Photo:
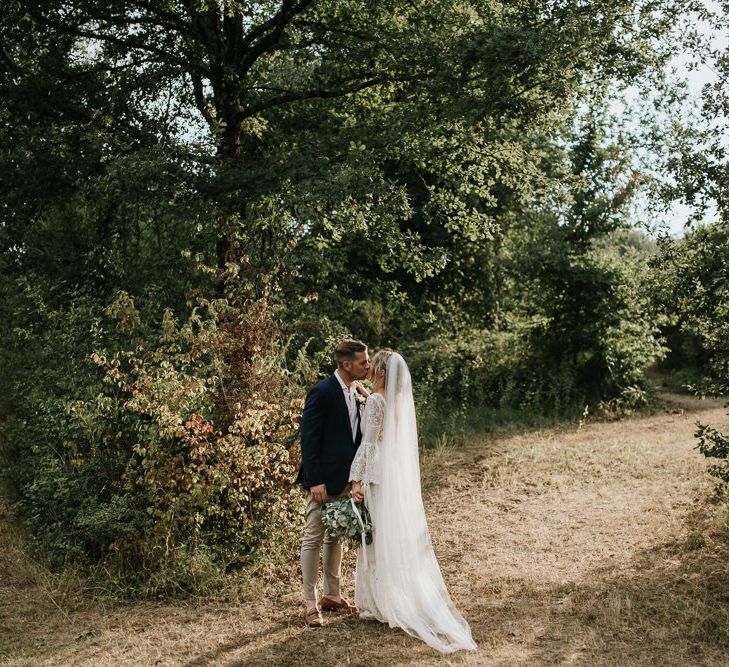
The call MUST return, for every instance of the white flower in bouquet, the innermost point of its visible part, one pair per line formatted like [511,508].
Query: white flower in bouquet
[347,521]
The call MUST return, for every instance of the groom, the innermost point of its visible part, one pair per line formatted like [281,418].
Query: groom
[330,435]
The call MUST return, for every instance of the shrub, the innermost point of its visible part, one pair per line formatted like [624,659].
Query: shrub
[715,445]
[177,461]
[690,285]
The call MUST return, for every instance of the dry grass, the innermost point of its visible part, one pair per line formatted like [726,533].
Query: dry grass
[593,546]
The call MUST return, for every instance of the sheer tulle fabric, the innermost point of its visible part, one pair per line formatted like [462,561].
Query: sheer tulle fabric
[398,578]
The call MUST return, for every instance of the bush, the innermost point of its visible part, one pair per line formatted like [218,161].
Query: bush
[690,285]
[171,461]
[587,342]
[715,445]
[471,369]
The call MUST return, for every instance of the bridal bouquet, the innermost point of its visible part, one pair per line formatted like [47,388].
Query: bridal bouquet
[347,520]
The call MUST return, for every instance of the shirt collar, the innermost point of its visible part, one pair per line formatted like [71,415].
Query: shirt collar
[342,384]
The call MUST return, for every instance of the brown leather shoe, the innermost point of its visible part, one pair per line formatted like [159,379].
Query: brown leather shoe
[330,605]
[314,618]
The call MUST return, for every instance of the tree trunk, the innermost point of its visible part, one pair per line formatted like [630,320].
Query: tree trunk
[228,155]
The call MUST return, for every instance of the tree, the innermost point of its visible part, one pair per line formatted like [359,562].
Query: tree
[268,78]
[690,274]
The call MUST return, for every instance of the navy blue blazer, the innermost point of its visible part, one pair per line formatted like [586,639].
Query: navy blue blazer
[327,446]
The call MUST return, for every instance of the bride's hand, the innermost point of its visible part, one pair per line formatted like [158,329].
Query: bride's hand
[357,494]
[361,389]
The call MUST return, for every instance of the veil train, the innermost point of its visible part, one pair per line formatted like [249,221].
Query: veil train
[408,586]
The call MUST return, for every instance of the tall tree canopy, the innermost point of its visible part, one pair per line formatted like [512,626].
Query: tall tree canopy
[300,123]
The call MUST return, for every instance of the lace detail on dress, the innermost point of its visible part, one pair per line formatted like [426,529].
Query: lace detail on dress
[364,466]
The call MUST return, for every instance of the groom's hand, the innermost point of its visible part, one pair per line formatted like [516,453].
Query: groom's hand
[319,493]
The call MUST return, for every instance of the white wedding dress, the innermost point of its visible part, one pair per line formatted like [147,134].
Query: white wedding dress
[398,579]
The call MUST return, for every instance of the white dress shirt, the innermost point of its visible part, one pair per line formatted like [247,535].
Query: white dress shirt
[349,393]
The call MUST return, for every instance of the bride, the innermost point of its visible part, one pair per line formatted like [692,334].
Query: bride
[398,579]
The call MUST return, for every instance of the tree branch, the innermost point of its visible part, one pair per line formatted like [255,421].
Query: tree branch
[197,88]
[297,96]
[257,42]
[12,65]
[129,44]
[207,25]
[172,19]
[233,31]
[365,37]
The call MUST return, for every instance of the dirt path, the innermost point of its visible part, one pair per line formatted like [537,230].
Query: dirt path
[591,546]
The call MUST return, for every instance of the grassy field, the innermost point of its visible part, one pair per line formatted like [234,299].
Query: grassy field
[591,545]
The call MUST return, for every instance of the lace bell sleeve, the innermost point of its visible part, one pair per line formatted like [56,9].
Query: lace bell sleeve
[364,464]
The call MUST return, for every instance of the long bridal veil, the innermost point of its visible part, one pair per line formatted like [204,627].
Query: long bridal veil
[409,586]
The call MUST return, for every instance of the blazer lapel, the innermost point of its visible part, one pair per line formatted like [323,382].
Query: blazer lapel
[358,425]
[344,411]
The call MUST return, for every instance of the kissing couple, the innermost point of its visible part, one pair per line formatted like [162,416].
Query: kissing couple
[371,452]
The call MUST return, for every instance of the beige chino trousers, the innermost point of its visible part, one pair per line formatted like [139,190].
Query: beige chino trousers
[311,549]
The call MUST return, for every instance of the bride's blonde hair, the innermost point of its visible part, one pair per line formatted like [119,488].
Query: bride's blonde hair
[379,361]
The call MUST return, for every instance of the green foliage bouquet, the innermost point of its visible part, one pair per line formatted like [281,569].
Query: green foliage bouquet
[347,520]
